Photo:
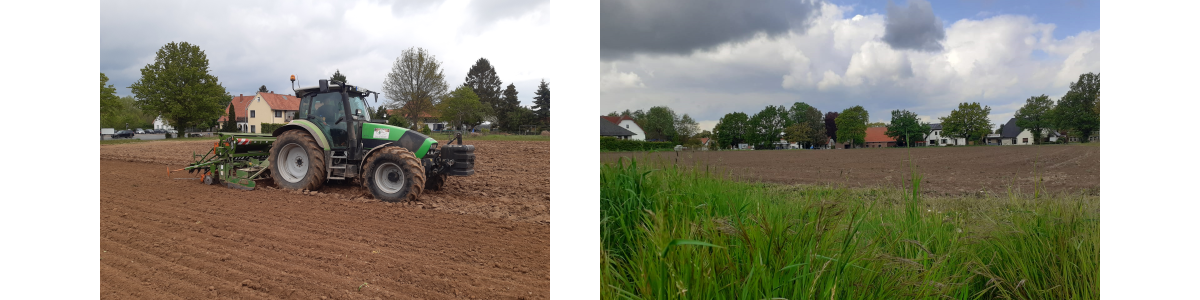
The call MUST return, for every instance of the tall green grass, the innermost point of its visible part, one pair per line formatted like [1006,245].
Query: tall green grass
[670,232]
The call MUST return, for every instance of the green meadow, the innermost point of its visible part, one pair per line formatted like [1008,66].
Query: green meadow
[690,232]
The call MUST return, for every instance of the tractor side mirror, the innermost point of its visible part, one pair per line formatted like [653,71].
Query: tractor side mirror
[324,83]
[376,97]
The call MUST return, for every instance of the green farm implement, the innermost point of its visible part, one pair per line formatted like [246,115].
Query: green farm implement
[333,139]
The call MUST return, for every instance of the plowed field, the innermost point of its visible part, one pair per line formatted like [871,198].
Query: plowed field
[1072,168]
[485,236]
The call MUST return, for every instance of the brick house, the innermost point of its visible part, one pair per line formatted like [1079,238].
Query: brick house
[877,138]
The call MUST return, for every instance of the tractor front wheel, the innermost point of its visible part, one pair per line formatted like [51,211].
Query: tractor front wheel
[394,174]
[297,162]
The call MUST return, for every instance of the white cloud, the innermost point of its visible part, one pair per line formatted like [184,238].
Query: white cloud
[841,61]
[613,79]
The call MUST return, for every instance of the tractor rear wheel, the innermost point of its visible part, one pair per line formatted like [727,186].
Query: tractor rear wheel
[394,174]
[297,161]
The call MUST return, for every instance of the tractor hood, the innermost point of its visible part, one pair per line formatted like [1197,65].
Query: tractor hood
[378,134]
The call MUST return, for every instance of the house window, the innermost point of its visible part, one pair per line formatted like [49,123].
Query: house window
[943,141]
[1024,140]
[626,126]
[251,113]
[279,114]
[1014,141]
[251,128]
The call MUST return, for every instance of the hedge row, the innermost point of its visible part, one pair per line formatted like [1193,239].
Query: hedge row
[613,144]
[270,127]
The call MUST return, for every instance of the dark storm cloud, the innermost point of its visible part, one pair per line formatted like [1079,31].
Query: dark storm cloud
[681,26]
[913,27]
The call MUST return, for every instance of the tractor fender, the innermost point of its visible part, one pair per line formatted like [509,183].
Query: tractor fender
[306,126]
[368,154]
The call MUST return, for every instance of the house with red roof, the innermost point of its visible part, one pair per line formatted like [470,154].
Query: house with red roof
[877,138]
[628,123]
[262,107]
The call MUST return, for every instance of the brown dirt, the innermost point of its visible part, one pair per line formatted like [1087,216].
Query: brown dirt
[946,170]
[484,236]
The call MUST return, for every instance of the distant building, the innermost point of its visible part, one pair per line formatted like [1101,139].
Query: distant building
[935,137]
[628,123]
[612,130]
[877,138]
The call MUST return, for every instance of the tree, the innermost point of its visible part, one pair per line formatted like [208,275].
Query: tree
[852,125]
[415,84]
[704,134]
[109,103]
[639,116]
[799,133]
[969,121]
[803,113]
[462,106]
[1035,116]
[541,102]
[337,76]
[660,124]
[906,128]
[1077,110]
[613,114]
[520,116]
[831,124]
[231,120]
[263,89]
[686,127]
[732,129]
[482,79]
[626,113]
[876,124]
[509,103]
[766,126]
[178,87]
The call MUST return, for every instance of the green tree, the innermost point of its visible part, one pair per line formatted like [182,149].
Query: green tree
[969,121]
[803,113]
[799,133]
[1077,109]
[1035,116]
[337,76]
[178,87]
[686,127]
[626,113]
[852,125]
[876,124]
[486,84]
[704,134]
[767,126]
[509,103]
[638,116]
[398,120]
[128,113]
[660,124]
[521,116]
[906,128]
[731,129]
[109,103]
[541,102]
[415,85]
[263,89]
[230,120]
[462,106]
[613,114]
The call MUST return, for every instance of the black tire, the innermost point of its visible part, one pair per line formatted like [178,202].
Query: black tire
[394,174]
[307,168]
[436,182]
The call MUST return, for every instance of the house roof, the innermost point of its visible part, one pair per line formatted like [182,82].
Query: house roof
[609,129]
[704,140]
[281,102]
[617,120]
[1010,129]
[239,104]
[935,126]
[878,134]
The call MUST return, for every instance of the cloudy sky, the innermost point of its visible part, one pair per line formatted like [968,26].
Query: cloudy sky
[254,43]
[707,58]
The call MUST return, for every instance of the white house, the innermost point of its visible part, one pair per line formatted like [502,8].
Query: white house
[159,123]
[1011,134]
[935,137]
[627,123]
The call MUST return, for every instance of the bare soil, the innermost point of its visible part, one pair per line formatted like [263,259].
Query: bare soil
[485,236]
[952,171]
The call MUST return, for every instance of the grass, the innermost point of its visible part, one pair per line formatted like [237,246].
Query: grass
[670,232]
[134,140]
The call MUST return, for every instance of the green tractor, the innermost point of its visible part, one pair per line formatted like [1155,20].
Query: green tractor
[332,138]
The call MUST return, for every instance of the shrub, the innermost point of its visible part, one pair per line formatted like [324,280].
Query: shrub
[484,131]
[270,127]
[614,144]
[425,130]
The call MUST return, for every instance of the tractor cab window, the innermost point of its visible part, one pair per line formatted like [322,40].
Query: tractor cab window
[358,108]
[327,112]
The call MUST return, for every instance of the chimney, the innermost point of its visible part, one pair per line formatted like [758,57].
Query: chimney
[272,92]
[241,95]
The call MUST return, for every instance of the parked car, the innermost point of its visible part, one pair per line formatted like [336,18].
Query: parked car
[123,134]
[139,131]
